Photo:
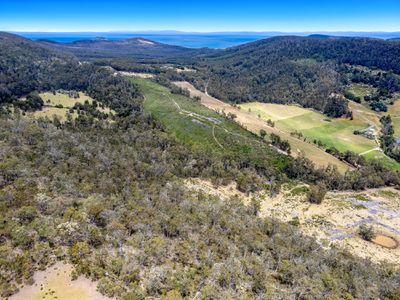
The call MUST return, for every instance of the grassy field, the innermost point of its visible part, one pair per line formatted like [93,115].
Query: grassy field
[361,90]
[195,125]
[336,133]
[314,125]
[49,112]
[394,112]
[64,99]
[58,104]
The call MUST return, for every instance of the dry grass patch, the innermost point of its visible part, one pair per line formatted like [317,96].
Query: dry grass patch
[56,283]
[274,111]
[362,90]
[64,99]
[59,104]
[50,112]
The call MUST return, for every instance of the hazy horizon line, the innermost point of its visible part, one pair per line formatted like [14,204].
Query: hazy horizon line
[205,32]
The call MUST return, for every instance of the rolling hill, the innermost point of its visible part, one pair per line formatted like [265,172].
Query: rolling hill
[367,52]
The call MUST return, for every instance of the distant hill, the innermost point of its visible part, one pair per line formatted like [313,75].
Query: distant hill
[368,52]
[138,48]
[25,47]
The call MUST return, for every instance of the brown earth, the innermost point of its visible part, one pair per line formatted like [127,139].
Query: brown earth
[385,241]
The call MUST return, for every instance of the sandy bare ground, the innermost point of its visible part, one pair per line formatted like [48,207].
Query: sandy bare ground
[254,124]
[184,70]
[56,283]
[134,74]
[335,221]
[146,42]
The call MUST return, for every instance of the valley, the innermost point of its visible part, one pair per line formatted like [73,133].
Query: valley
[205,130]
[336,133]
[313,126]
[254,124]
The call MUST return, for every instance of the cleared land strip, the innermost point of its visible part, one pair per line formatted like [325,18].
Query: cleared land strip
[207,119]
[254,124]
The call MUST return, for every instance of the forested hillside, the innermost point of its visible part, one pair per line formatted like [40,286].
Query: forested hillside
[26,67]
[137,48]
[303,70]
[374,53]
[108,197]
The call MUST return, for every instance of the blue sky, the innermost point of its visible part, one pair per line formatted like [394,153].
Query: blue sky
[202,16]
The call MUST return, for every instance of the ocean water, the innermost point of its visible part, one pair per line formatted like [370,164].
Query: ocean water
[217,41]
[192,40]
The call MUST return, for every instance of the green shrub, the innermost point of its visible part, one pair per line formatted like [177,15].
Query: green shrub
[366,232]
[317,194]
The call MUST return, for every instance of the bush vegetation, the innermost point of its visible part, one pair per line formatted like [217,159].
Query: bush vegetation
[387,139]
[317,194]
[366,232]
